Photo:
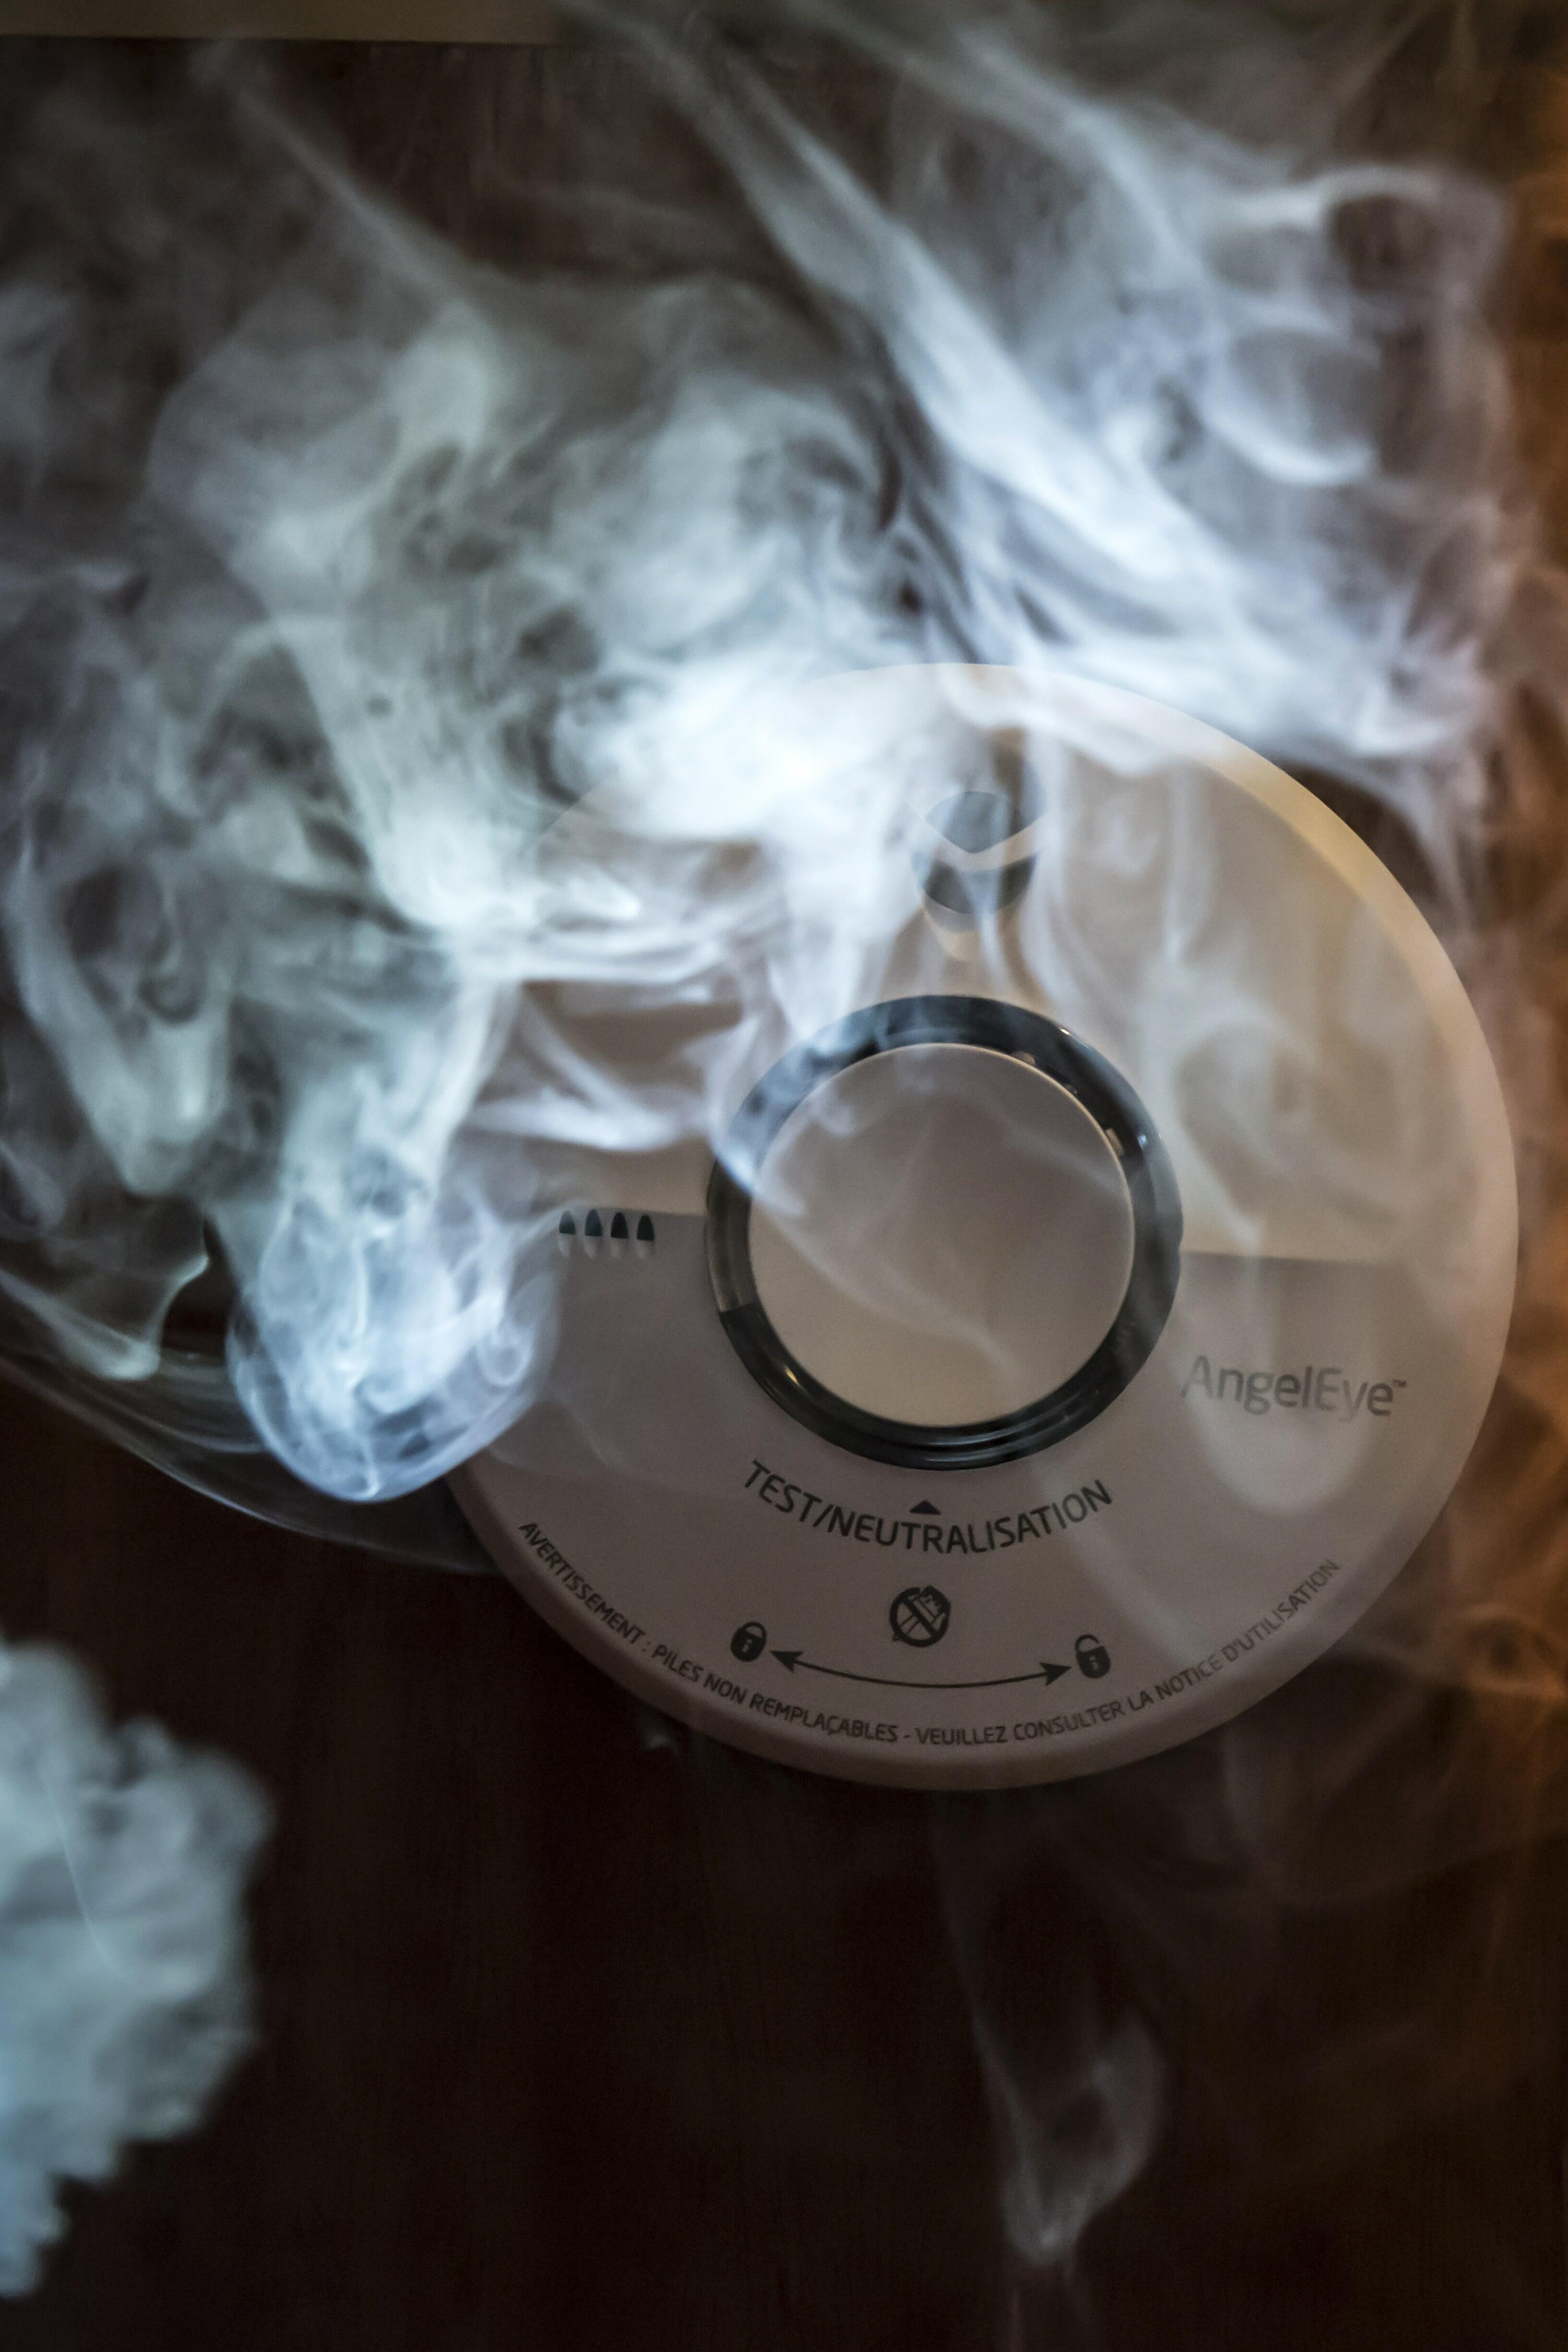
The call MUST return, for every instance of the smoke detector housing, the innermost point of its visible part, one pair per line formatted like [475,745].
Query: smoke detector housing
[1076,1312]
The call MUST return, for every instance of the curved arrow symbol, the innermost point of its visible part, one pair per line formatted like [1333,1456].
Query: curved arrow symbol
[1046,1672]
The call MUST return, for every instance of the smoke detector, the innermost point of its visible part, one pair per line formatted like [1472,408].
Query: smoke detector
[1047,1322]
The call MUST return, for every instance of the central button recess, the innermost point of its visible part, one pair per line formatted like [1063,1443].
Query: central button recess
[940,1235]
[943,1233]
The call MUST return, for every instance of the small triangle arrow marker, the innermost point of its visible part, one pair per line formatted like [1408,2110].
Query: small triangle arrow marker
[925,1510]
[791,1658]
[1049,1667]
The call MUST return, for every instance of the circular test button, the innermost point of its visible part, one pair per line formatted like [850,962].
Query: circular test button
[940,1235]
[943,1233]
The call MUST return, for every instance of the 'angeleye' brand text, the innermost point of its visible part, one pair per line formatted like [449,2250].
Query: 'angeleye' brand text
[1307,1388]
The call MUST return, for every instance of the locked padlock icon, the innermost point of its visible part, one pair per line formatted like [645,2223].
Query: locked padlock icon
[1093,1658]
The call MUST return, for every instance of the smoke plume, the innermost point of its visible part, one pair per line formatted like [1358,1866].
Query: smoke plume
[339,563]
[338,560]
[122,1983]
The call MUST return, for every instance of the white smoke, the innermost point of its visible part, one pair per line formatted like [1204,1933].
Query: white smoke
[335,565]
[338,565]
[123,1984]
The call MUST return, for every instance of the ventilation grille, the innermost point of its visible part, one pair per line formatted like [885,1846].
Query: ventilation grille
[614,1233]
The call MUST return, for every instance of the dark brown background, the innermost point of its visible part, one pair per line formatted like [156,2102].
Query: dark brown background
[575,2032]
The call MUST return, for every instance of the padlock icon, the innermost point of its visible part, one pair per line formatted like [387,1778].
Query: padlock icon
[1093,1658]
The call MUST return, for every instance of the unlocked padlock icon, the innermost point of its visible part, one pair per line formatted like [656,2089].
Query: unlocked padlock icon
[1093,1658]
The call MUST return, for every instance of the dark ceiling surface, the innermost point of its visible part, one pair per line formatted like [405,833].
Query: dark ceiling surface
[575,2032]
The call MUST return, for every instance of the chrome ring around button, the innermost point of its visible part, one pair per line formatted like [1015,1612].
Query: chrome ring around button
[1051,1050]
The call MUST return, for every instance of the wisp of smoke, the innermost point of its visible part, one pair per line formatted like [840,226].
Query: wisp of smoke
[122,1982]
[335,565]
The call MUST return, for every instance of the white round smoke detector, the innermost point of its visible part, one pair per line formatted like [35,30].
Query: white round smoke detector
[1063,1340]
